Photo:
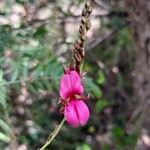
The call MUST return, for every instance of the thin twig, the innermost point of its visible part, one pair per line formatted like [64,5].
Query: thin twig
[53,135]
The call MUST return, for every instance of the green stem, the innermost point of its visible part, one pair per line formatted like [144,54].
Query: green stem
[53,135]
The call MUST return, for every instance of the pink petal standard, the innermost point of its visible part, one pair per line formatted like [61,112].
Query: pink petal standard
[70,84]
[76,112]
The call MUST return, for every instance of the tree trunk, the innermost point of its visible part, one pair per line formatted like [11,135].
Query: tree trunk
[139,12]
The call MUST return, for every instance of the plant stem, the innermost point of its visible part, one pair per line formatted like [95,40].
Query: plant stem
[53,135]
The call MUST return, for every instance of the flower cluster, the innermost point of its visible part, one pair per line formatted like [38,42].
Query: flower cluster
[71,91]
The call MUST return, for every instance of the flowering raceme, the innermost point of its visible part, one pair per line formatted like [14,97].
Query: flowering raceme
[71,91]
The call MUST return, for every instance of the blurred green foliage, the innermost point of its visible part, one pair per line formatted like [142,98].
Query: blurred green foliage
[122,139]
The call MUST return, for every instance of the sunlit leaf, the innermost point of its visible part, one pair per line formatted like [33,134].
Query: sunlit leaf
[5,126]
[4,137]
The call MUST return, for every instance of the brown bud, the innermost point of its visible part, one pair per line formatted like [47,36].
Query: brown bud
[77,46]
[79,41]
[88,25]
[89,10]
[83,20]
[88,4]
[84,13]
[82,52]
[82,37]
[81,30]
[71,67]
[78,67]
[82,44]
[65,69]
[77,56]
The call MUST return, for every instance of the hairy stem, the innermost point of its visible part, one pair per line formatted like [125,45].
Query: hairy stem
[53,135]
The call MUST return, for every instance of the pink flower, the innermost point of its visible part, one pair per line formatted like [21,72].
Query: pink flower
[71,91]
[76,113]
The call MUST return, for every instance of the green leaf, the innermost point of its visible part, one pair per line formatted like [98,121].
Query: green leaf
[83,147]
[105,147]
[1,75]
[47,85]
[4,137]
[92,87]
[3,90]
[118,132]
[4,39]
[39,85]
[15,75]
[101,78]
[41,31]
[131,139]
[86,147]
[100,105]
[31,88]
[4,126]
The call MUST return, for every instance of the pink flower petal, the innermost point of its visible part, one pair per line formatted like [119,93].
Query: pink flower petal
[76,83]
[70,84]
[65,87]
[70,114]
[76,113]
[83,112]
